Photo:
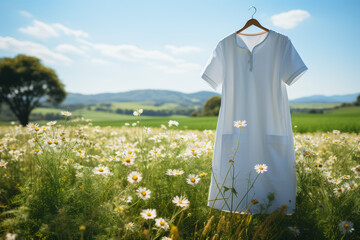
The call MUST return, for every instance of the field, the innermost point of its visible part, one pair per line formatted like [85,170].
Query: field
[85,181]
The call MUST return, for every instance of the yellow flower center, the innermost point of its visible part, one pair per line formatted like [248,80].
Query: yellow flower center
[143,193]
[134,177]
[49,142]
[357,169]
[346,225]
[36,150]
[101,170]
[149,214]
[127,160]
[180,202]
[114,159]
[261,168]
[37,129]
[192,179]
[162,223]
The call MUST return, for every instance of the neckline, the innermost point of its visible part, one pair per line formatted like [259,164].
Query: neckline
[255,34]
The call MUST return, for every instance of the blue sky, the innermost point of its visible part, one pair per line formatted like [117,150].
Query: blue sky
[116,46]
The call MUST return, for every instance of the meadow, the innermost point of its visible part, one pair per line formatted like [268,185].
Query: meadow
[149,178]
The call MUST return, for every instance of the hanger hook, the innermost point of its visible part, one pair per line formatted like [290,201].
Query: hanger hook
[254,12]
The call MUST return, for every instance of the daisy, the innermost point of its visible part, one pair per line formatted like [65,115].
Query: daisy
[172,122]
[260,168]
[192,179]
[127,124]
[66,113]
[346,227]
[102,170]
[127,199]
[137,112]
[240,123]
[307,170]
[356,169]
[128,158]
[148,213]
[119,209]
[129,226]
[113,159]
[207,132]
[143,193]
[134,177]
[147,129]
[336,181]
[3,163]
[51,123]
[181,201]
[161,223]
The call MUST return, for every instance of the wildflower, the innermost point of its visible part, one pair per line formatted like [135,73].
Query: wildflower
[207,132]
[181,201]
[134,177]
[51,123]
[148,213]
[119,209]
[174,172]
[254,201]
[346,227]
[102,170]
[147,129]
[172,122]
[113,159]
[66,113]
[127,199]
[161,223]
[336,131]
[307,170]
[143,193]
[260,168]
[10,236]
[336,181]
[356,169]
[137,112]
[3,163]
[240,123]
[127,124]
[129,226]
[192,179]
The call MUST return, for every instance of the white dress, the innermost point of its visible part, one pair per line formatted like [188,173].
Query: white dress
[253,72]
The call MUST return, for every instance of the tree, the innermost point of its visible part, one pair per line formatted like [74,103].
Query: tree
[24,81]
[212,106]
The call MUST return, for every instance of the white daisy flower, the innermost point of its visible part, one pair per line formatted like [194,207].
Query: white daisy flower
[127,199]
[51,123]
[137,112]
[260,168]
[181,201]
[147,129]
[66,113]
[193,179]
[240,123]
[346,227]
[172,123]
[102,170]
[161,223]
[129,226]
[148,213]
[3,163]
[143,193]
[113,159]
[134,177]
[207,132]
[307,170]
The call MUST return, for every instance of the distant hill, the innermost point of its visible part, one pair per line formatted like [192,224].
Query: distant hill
[185,99]
[160,96]
[348,98]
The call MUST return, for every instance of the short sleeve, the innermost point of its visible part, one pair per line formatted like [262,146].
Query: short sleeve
[213,72]
[292,66]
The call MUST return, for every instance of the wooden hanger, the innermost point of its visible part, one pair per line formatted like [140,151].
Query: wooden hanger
[250,22]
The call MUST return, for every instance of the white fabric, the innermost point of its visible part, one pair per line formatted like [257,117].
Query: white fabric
[253,81]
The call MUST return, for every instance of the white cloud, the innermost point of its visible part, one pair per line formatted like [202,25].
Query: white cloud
[33,49]
[182,49]
[290,19]
[25,13]
[68,48]
[43,30]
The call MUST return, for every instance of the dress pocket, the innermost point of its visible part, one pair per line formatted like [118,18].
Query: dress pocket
[277,157]
[229,144]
